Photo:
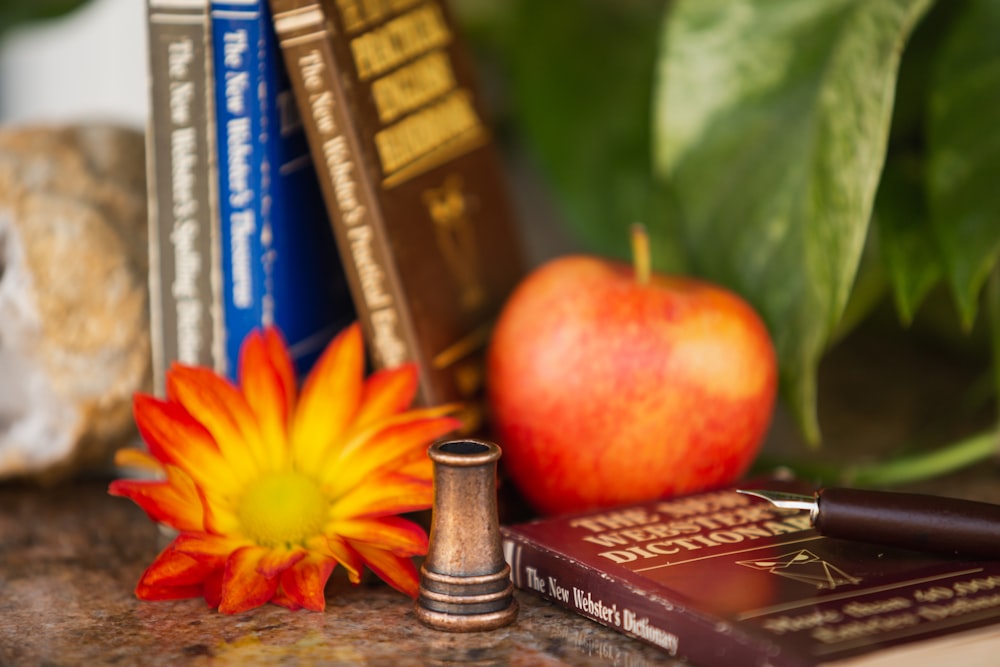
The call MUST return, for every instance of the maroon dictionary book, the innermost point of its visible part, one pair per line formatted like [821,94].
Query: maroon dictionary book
[723,579]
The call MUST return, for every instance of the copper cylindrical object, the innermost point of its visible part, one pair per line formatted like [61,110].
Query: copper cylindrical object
[465,582]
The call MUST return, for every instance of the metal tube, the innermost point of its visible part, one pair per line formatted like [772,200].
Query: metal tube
[465,582]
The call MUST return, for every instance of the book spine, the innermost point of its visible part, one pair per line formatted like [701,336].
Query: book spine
[309,297]
[304,31]
[666,624]
[237,56]
[184,284]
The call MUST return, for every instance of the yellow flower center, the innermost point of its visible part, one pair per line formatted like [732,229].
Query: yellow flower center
[283,508]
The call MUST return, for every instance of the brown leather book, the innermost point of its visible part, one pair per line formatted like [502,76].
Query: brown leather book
[723,579]
[412,181]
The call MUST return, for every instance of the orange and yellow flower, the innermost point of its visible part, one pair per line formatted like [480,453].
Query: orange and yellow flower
[269,489]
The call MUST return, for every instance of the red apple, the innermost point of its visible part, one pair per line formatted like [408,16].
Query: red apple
[608,384]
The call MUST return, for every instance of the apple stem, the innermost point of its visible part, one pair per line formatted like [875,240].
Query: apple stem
[640,253]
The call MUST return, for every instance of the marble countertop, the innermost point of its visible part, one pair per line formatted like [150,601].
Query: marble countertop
[71,555]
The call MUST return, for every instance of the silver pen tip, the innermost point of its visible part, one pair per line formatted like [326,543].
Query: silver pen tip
[782,499]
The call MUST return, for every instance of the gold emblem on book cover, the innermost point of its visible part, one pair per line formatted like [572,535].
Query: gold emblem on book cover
[804,566]
[456,238]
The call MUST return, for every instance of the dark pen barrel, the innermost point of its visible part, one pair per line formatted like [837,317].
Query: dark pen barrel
[911,521]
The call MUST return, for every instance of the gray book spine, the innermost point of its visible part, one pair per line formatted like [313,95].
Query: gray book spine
[184,281]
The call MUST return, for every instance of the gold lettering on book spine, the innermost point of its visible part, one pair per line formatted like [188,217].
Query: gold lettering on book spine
[426,139]
[351,201]
[401,39]
[412,86]
[356,15]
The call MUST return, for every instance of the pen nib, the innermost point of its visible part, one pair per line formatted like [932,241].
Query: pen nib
[791,501]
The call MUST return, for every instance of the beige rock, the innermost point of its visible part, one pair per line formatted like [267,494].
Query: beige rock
[74,332]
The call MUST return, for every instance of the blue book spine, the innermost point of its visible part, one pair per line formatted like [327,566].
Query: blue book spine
[279,256]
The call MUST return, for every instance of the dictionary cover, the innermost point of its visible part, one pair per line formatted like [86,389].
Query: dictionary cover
[723,579]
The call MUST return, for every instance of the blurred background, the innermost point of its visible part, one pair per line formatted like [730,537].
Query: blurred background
[578,92]
[47,68]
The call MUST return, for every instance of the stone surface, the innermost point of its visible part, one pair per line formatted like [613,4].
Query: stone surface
[74,333]
[71,555]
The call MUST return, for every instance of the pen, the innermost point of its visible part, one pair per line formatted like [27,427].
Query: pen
[907,520]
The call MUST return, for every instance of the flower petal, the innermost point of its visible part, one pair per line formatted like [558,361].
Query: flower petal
[388,494]
[267,378]
[283,599]
[281,358]
[174,436]
[330,398]
[343,553]
[221,408]
[172,576]
[139,460]
[400,536]
[210,549]
[176,439]
[274,562]
[357,441]
[305,582]
[243,587]
[162,502]
[219,517]
[400,573]
[387,392]
[213,588]
[422,468]
[400,442]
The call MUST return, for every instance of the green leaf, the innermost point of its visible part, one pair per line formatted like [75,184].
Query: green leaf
[909,246]
[581,76]
[771,123]
[964,151]
[13,12]
[908,115]
[993,308]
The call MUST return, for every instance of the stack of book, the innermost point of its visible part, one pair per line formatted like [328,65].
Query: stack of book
[313,162]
